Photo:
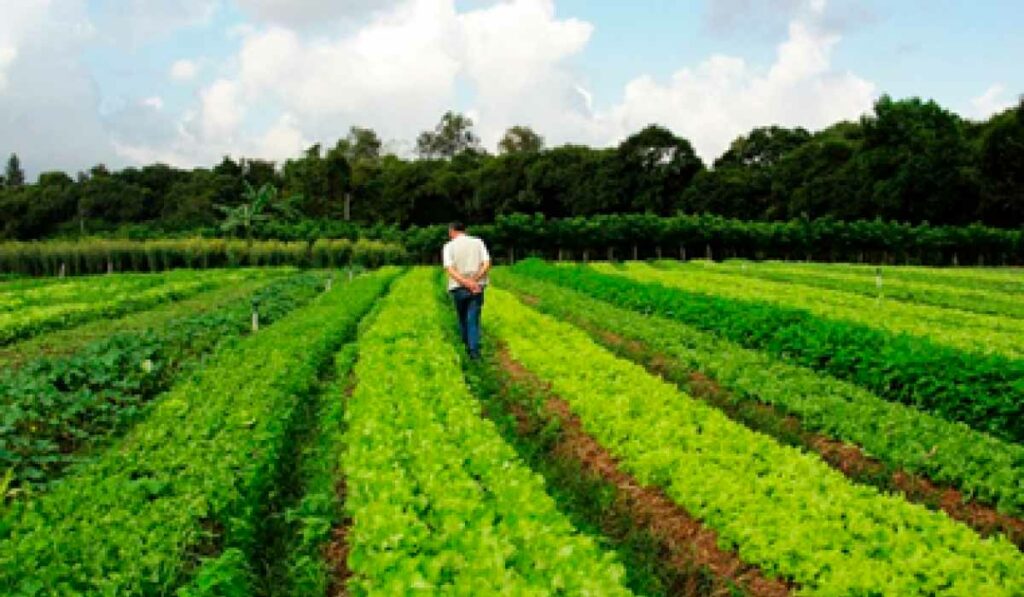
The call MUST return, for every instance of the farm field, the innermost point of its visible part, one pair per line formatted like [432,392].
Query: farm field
[647,428]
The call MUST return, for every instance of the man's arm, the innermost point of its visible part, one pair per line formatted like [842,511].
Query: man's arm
[461,280]
[479,275]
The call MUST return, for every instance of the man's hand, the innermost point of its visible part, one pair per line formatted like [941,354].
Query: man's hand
[473,286]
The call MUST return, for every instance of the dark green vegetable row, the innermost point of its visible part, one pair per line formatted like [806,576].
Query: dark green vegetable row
[986,392]
[54,406]
[179,500]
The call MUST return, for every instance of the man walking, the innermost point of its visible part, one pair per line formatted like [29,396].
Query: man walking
[467,262]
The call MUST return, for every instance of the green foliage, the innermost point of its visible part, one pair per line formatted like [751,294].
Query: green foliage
[452,136]
[439,502]
[981,466]
[970,332]
[983,391]
[779,508]
[96,256]
[54,407]
[185,486]
[14,176]
[520,139]
[926,288]
[61,305]
[319,511]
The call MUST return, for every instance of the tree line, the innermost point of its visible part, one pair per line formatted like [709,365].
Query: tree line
[908,161]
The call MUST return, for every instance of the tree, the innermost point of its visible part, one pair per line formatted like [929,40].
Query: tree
[916,163]
[361,149]
[258,206]
[452,136]
[656,166]
[14,176]
[520,139]
[1001,163]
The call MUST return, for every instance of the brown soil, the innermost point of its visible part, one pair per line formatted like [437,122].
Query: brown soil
[845,457]
[336,552]
[686,543]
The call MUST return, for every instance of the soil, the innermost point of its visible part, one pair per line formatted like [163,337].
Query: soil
[686,543]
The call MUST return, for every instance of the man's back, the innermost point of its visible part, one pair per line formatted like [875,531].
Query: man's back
[467,255]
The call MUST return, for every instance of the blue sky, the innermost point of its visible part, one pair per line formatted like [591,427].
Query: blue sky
[134,81]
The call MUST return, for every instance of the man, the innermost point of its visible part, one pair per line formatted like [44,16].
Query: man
[467,262]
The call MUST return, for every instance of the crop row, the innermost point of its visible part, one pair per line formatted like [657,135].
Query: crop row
[965,298]
[992,279]
[65,341]
[986,392]
[978,464]
[55,406]
[439,502]
[108,298]
[187,481]
[984,334]
[780,508]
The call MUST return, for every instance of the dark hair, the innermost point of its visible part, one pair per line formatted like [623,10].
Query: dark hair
[457,226]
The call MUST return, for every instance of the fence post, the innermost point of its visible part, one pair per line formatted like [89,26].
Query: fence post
[63,269]
[255,316]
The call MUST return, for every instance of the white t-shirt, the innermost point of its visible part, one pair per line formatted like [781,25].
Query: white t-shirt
[467,254]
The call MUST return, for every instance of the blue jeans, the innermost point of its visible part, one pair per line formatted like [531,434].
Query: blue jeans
[468,306]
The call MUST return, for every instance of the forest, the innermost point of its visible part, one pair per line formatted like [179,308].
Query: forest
[909,161]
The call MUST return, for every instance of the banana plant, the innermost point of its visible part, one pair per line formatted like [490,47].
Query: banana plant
[256,207]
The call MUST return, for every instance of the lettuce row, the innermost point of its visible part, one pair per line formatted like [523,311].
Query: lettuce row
[985,392]
[189,481]
[107,297]
[782,509]
[53,407]
[1005,280]
[964,296]
[973,332]
[952,453]
[439,502]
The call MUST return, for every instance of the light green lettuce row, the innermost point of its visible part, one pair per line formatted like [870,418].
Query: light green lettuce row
[958,329]
[112,298]
[782,509]
[440,503]
[992,279]
[899,435]
[190,481]
[894,287]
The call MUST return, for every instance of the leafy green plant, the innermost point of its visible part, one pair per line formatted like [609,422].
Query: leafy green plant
[779,508]
[974,332]
[980,465]
[438,501]
[169,503]
[986,392]
[54,407]
[95,298]
[258,206]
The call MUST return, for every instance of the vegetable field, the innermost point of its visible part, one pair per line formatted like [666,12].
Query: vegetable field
[645,428]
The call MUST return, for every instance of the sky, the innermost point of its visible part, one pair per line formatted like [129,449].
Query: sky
[185,82]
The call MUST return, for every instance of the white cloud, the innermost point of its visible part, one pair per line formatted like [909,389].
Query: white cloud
[301,13]
[995,99]
[155,102]
[7,56]
[46,91]
[222,110]
[282,140]
[184,70]
[724,97]
[137,22]
[515,55]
